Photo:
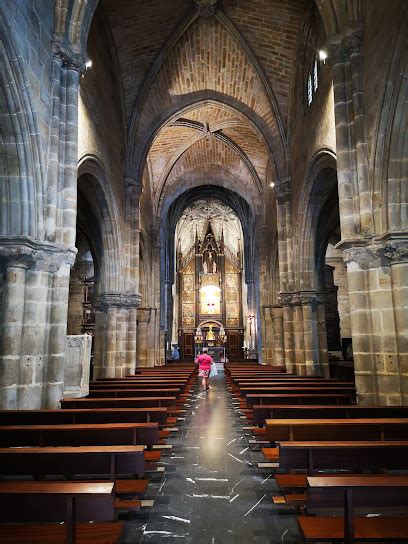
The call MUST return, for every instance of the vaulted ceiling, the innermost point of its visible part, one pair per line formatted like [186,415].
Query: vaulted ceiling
[206,88]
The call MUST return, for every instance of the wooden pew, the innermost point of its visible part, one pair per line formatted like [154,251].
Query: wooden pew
[158,392]
[337,429]
[110,461]
[374,493]
[270,399]
[263,412]
[101,434]
[354,456]
[135,392]
[75,415]
[158,414]
[57,502]
[285,389]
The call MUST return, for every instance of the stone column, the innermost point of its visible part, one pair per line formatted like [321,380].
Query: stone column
[299,338]
[60,210]
[143,321]
[314,334]
[354,195]
[340,281]
[377,283]
[115,335]
[33,323]
[278,340]
[268,339]
[285,300]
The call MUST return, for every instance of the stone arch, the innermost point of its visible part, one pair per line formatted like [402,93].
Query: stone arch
[72,20]
[169,217]
[390,161]
[147,116]
[320,181]
[181,106]
[22,170]
[98,218]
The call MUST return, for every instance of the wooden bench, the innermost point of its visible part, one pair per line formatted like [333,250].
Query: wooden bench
[375,493]
[268,400]
[263,412]
[144,415]
[100,434]
[286,390]
[67,502]
[110,461]
[317,529]
[137,393]
[156,392]
[85,533]
[67,415]
[337,429]
[354,456]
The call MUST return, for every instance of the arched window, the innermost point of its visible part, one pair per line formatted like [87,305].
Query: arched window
[312,80]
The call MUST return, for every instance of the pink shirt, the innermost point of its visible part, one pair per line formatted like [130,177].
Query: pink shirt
[204,361]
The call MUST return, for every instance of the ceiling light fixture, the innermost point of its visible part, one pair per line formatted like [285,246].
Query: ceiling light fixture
[323,55]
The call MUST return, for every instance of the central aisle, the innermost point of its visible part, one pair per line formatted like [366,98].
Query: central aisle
[213,491]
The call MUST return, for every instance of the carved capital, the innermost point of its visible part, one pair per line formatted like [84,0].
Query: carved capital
[397,251]
[144,315]
[285,299]
[340,53]
[353,42]
[312,298]
[69,59]
[366,257]
[24,252]
[206,8]
[283,190]
[116,300]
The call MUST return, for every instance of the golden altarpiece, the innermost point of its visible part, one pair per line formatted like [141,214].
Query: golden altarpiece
[209,277]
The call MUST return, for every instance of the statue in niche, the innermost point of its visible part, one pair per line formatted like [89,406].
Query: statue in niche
[205,267]
[214,267]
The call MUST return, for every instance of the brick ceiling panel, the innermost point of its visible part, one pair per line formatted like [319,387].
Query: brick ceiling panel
[243,135]
[140,30]
[169,140]
[208,152]
[207,57]
[271,28]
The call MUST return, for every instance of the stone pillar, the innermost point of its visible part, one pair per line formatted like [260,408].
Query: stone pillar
[377,283]
[33,323]
[285,300]
[278,339]
[314,333]
[143,321]
[115,335]
[356,216]
[268,339]
[340,281]
[299,333]
[61,195]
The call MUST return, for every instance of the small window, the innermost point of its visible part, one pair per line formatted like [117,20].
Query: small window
[312,80]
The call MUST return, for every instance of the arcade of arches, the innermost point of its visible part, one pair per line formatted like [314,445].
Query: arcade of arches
[230,173]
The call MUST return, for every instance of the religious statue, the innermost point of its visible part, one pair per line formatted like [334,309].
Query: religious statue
[214,267]
[205,267]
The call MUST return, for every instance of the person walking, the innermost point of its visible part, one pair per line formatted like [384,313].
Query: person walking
[204,367]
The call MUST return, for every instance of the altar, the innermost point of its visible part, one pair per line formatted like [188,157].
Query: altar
[217,353]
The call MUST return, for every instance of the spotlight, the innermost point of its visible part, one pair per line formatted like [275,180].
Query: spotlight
[272,185]
[88,64]
[323,55]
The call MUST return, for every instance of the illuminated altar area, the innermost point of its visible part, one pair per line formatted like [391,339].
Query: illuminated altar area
[209,295]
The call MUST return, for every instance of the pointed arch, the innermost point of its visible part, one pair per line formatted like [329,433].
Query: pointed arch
[98,218]
[21,164]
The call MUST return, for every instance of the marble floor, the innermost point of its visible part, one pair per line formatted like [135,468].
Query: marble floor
[212,491]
